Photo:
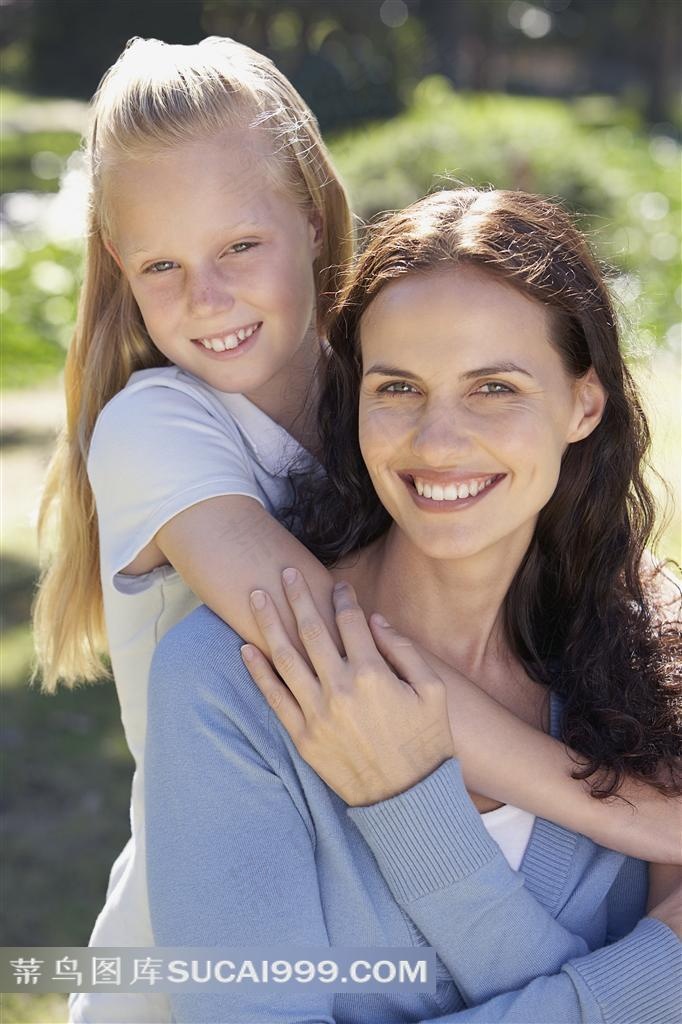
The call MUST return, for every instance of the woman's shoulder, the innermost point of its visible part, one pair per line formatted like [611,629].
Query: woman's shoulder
[199,661]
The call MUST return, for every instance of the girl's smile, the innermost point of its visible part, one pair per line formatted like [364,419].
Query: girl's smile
[228,275]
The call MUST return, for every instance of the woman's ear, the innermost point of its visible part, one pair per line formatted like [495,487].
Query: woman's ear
[589,404]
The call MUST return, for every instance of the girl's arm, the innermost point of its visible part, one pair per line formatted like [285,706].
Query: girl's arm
[175,482]
[665,883]
[226,547]
[535,771]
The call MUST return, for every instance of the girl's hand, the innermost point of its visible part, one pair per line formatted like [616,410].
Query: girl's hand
[366,732]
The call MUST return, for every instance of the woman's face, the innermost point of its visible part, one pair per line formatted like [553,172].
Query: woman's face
[466,410]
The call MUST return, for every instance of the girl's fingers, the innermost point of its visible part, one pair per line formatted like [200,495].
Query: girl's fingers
[358,641]
[278,696]
[401,654]
[287,661]
[319,646]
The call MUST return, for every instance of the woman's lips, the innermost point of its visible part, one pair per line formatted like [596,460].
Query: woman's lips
[443,485]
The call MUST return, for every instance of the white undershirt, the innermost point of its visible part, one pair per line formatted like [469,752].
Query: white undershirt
[510,827]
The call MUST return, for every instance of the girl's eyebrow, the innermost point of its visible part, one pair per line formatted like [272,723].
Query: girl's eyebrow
[482,371]
[241,227]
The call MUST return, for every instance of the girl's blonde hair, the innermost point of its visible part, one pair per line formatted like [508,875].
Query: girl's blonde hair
[156,96]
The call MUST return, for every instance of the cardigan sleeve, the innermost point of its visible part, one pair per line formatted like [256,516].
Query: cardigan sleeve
[218,851]
[637,980]
[451,879]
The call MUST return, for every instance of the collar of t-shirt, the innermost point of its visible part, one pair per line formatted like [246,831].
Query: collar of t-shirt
[272,446]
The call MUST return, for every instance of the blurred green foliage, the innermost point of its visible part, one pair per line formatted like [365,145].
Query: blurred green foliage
[35,160]
[591,154]
[38,298]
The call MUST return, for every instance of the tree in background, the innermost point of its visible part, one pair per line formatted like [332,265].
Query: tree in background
[357,60]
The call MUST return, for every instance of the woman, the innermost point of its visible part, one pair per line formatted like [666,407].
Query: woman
[484,447]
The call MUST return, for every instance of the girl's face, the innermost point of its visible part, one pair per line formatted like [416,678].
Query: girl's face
[219,260]
[466,411]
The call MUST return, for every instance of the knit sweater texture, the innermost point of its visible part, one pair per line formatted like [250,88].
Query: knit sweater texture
[248,847]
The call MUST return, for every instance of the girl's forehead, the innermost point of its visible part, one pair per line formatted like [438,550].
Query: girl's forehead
[228,172]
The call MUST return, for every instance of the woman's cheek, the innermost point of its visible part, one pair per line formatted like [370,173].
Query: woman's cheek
[382,432]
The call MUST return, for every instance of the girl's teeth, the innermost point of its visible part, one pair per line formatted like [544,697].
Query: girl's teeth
[230,340]
[450,492]
[427,491]
[462,491]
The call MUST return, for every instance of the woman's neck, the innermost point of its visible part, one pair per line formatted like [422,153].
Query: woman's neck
[452,608]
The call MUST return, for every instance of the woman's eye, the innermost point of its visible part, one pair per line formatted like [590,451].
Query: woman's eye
[495,387]
[398,388]
[243,246]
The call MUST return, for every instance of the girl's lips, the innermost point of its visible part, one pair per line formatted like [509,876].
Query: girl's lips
[443,507]
[229,353]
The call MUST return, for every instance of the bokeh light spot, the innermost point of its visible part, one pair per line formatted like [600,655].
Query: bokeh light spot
[394,13]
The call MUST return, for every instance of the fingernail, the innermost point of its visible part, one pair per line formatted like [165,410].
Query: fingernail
[258,599]
[247,652]
[379,619]
[290,575]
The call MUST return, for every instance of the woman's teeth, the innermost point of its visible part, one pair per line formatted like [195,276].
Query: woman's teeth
[451,492]
[230,340]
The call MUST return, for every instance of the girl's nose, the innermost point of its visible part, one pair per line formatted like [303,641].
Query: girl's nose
[442,435]
[209,293]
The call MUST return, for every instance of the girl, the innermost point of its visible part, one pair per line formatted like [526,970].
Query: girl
[218,229]
[475,398]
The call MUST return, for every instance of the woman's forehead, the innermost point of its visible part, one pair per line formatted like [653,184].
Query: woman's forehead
[455,300]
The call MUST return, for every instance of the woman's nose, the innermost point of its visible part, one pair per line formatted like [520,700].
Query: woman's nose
[208,293]
[441,435]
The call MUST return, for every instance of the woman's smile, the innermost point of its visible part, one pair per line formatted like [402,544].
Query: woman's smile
[465,402]
[448,492]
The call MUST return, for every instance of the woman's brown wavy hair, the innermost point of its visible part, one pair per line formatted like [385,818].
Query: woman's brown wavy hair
[579,612]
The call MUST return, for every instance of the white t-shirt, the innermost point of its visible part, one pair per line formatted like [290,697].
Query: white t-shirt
[164,443]
[510,827]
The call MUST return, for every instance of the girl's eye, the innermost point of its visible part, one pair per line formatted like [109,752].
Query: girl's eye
[398,388]
[160,267]
[494,387]
[243,246]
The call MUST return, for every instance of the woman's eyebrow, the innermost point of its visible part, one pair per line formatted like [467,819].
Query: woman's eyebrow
[487,371]
[389,371]
[482,371]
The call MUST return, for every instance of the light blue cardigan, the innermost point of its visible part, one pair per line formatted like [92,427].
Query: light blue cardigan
[248,847]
